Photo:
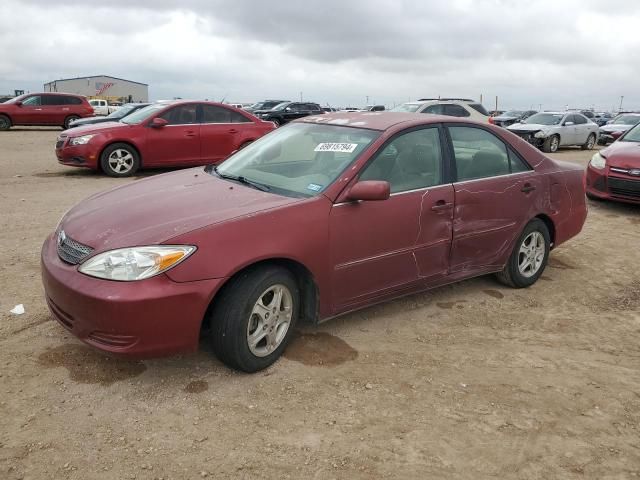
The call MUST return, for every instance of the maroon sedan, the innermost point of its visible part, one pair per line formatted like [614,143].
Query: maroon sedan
[321,217]
[614,173]
[165,134]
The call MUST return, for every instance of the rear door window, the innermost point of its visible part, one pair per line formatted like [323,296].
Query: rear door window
[454,110]
[434,109]
[478,153]
[53,100]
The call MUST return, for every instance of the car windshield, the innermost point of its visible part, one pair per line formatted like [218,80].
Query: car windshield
[121,112]
[299,160]
[512,113]
[626,120]
[545,118]
[144,113]
[406,107]
[632,135]
[281,106]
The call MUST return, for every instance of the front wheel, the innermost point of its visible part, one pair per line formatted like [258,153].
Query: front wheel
[5,122]
[529,256]
[589,144]
[253,319]
[119,160]
[551,144]
[68,120]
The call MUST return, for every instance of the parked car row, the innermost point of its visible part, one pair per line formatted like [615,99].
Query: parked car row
[551,130]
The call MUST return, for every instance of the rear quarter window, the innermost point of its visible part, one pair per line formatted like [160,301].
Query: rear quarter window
[478,107]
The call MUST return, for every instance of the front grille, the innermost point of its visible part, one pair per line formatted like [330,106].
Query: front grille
[526,136]
[71,251]
[625,188]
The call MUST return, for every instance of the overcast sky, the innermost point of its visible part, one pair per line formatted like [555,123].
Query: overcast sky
[580,53]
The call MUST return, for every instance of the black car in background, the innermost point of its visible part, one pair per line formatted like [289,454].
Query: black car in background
[510,117]
[264,105]
[115,116]
[287,111]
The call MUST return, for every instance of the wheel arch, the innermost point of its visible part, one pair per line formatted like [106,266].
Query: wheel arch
[546,219]
[8,116]
[112,142]
[309,294]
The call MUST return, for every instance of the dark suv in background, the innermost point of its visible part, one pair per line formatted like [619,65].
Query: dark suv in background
[287,111]
[264,105]
[59,109]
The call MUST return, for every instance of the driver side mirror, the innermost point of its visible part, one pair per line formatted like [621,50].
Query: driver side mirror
[158,122]
[18,103]
[567,124]
[370,190]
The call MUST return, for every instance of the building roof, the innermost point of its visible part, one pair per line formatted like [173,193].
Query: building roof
[95,76]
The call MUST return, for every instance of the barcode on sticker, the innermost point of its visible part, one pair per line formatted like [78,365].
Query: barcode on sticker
[336,147]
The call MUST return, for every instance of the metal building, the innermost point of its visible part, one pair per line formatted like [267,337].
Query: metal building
[102,86]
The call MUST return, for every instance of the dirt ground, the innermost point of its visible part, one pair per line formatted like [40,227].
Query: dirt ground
[469,381]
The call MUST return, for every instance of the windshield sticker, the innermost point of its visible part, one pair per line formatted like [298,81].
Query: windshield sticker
[314,186]
[336,147]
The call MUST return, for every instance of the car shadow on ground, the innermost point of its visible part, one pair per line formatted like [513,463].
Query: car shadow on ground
[616,209]
[89,173]
[34,129]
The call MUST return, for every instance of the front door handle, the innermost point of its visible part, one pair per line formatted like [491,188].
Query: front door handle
[527,188]
[233,130]
[441,205]
[190,134]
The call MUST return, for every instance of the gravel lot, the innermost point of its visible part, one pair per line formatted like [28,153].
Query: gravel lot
[469,381]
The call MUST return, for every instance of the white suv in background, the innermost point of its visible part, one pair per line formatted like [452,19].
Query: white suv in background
[453,107]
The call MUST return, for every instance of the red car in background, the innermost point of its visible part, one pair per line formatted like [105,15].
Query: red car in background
[164,134]
[326,215]
[614,173]
[43,109]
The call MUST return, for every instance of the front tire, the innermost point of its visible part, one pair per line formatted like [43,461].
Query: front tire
[120,160]
[5,122]
[529,257]
[590,143]
[551,144]
[253,319]
[68,120]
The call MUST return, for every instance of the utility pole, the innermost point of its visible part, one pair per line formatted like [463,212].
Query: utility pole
[621,98]
[496,109]
[300,96]
[367,100]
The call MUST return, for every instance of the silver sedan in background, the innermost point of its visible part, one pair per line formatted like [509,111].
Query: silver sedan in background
[551,130]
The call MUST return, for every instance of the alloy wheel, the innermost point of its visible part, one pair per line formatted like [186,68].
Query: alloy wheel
[531,254]
[120,161]
[269,321]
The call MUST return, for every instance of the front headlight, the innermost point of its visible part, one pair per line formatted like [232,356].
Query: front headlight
[598,161]
[81,140]
[540,134]
[135,263]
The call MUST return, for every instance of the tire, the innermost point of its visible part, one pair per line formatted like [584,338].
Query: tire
[5,122]
[589,144]
[68,120]
[120,160]
[240,315]
[245,144]
[551,144]
[514,275]
[276,121]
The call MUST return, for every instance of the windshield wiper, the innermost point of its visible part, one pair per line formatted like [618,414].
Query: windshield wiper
[243,180]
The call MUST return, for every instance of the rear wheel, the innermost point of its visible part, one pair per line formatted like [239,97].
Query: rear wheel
[5,122]
[529,257]
[119,160]
[254,317]
[590,143]
[276,121]
[551,144]
[68,120]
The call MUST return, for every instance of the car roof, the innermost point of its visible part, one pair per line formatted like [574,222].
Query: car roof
[377,120]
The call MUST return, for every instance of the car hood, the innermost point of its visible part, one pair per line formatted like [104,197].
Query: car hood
[505,119]
[623,154]
[156,209]
[99,128]
[615,128]
[528,127]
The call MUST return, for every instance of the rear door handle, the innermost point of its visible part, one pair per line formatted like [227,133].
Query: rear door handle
[441,205]
[233,130]
[190,134]
[527,188]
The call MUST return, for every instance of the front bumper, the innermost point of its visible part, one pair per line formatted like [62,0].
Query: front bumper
[150,318]
[611,185]
[530,138]
[77,155]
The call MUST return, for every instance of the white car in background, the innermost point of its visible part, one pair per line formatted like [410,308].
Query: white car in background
[102,107]
[453,107]
[551,130]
